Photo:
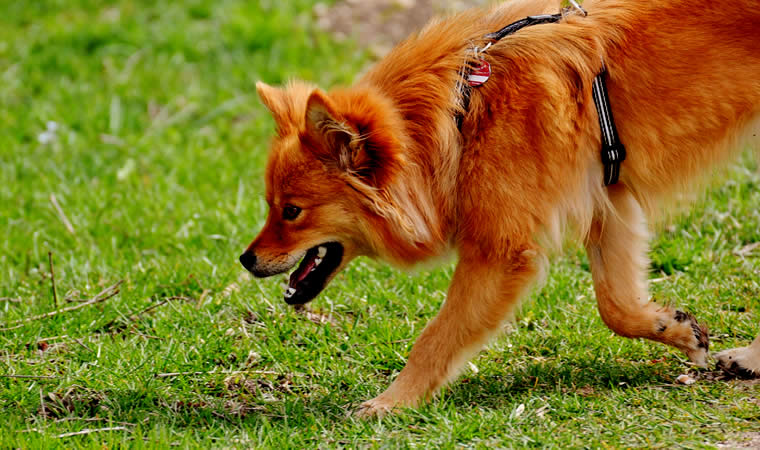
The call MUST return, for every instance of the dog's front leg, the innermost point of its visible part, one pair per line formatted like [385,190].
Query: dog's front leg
[482,294]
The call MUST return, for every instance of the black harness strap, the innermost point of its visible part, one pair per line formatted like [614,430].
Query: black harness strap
[613,152]
[522,23]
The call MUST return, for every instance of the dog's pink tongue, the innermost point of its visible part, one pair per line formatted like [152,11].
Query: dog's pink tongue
[301,273]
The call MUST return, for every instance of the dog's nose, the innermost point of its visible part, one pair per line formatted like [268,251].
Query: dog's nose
[248,260]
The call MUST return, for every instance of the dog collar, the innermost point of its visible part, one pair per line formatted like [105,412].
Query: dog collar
[613,152]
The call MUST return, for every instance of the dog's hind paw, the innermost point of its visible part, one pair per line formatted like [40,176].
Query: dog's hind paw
[742,362]
[682,330]
[373,408]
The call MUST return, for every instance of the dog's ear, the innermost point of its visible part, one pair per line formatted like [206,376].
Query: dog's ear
[347,144]
[333,138]
[275,99]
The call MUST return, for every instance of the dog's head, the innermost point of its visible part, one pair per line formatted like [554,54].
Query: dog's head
[330,159]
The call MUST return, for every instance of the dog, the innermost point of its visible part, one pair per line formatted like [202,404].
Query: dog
[407,165]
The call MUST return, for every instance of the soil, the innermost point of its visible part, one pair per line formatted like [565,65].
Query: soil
[379,24]
[743,440]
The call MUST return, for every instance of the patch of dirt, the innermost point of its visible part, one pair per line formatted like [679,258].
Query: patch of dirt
[583,391]
[75,398]
[586,391]
[721,375]
[743,440]
[380,24]
[236,396]
[315,315]
[241,385]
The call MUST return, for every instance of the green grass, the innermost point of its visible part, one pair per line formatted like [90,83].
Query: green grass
[157,164]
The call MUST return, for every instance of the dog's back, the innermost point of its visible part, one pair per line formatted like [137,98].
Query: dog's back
[684,83]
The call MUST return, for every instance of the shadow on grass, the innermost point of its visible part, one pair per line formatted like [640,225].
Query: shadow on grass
[584,377]
[259,401]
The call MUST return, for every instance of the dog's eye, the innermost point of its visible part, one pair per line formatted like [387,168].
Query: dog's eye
[290,212]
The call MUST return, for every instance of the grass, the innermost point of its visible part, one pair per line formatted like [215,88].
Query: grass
[156,163]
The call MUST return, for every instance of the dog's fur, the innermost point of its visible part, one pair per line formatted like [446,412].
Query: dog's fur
[382,169]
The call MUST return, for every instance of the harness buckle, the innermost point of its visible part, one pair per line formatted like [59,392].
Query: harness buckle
[613,154]
[612,157]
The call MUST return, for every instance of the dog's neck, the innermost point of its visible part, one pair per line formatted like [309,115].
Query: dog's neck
[417,204]
[422,96]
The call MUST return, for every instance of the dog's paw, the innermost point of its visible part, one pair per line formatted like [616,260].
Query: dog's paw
[682,330]
[742,362]
[377,407]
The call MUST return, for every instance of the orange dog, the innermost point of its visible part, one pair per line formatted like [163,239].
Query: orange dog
[385,169]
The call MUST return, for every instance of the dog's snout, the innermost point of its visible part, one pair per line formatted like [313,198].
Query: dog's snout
[248,260]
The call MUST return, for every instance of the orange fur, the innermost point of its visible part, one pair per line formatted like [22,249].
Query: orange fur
[381,167]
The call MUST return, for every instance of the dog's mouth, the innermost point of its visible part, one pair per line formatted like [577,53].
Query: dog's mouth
[311,276]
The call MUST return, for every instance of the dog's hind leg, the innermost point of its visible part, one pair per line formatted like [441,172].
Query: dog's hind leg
[482,294]
[743,362]
[617,246]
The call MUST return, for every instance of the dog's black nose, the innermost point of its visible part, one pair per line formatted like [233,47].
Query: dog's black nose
[248,260]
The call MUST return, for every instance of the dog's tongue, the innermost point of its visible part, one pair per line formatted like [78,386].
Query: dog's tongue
[303,270]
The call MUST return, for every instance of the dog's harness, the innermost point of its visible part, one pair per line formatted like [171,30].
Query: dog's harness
[613,152]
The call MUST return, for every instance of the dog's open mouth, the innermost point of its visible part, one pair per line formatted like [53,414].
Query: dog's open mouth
[312,274]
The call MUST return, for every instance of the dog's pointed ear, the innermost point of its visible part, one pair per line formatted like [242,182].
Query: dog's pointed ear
[355,142]
[333,138]
[275,99]
[358,141]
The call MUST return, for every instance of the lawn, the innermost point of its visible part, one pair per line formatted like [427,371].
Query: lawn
[131,160]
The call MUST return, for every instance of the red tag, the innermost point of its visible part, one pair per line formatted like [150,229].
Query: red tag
[480,74]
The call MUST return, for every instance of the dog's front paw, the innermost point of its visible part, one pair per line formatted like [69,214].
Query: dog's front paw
[377,407]
[742,362]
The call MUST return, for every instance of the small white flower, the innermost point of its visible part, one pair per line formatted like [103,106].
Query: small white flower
[48,135]
[45,137]
[126,170]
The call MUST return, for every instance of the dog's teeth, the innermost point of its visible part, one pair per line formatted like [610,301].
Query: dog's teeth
[321,252]
[317,261]
[289,292]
